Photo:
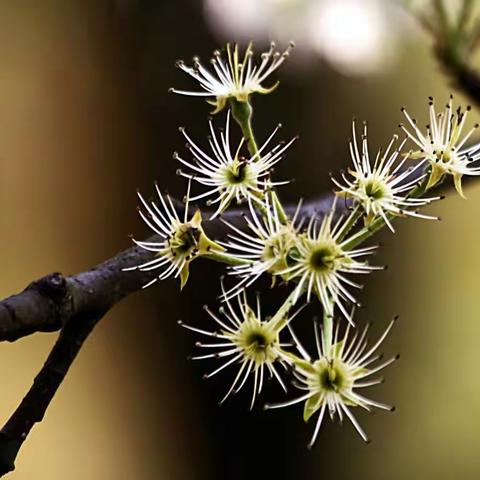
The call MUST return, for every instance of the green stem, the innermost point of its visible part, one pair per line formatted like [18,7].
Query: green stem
[242,112]
[327,337]
[364,233]
[294,358]
[442,15]
[280,319]
[225,258]
[466,12]
[282,216]
[352,219]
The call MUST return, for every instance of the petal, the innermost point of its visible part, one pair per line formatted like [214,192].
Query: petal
[184,275]
[219,104]
[264,90]
[311,406]
[438,171]
[457,180]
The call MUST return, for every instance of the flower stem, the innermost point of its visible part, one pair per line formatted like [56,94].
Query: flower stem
[295,359]
[225,258]
[242,112]
[280,319]
[364,233]
[327,333]
[352,219]
[282,216]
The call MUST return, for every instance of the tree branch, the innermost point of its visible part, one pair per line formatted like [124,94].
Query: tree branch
[49,303]
[75,305]
[35,403]
[463,76]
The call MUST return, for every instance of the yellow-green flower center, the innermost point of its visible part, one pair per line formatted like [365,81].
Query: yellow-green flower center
[185,239]
[323,258]
[258,341]
[332,378]
[375,190]
[444,156]
[237,173]
[277,248]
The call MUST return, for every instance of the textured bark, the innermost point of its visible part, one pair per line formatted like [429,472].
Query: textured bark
[75,305]
[49,303]
[35,403]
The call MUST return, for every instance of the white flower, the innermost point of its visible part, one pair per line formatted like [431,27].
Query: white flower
[443,144]
[331,383]
[246,341]
[320,264]
[233,77]
[382,189]
[227,174]
[266,243]
[180,242]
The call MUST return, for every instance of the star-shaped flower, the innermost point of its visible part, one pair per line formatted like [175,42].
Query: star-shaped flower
[266,244]
[331,383]
[320,263]
[443,144]
[233,77]
[248,341]
[180,240]
[227,174]
[382,189]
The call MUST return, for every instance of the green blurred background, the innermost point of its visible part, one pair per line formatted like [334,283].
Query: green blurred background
[85,120]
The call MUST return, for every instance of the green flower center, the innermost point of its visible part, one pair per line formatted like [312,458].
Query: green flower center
[185,239]
[332,378]
[322,259]
[271,249]
[444,156]
[277,248]
[237,173]
[374,190]
[258,341]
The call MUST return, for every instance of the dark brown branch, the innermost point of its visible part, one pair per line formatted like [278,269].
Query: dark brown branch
[463,76]
[455,43]
[75,305]
[48,303]
[468,80]
[33,407]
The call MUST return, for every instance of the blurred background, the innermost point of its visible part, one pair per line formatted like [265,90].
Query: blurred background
[85,120]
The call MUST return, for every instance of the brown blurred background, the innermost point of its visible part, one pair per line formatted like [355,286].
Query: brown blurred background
[85,120]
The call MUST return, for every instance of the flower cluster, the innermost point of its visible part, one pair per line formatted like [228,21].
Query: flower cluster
[382,189]
[317,251]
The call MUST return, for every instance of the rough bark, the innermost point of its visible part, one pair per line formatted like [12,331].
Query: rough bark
[74,305]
